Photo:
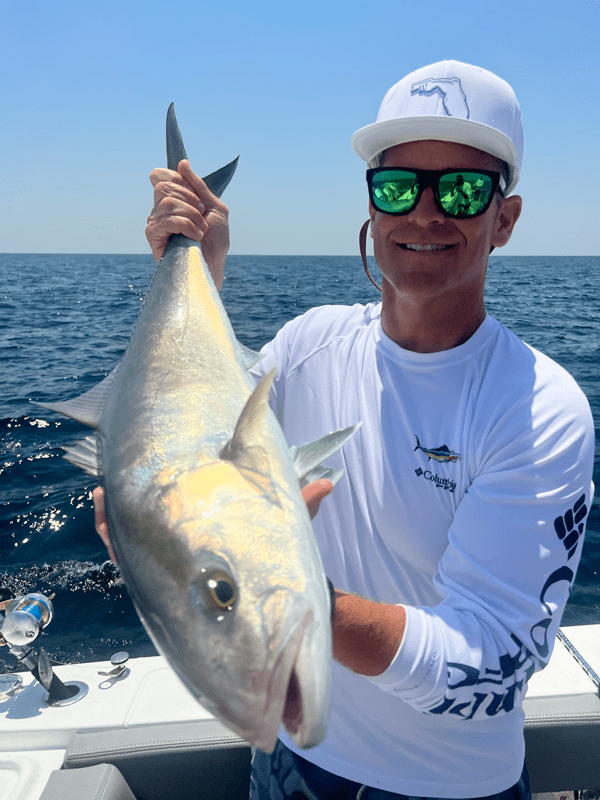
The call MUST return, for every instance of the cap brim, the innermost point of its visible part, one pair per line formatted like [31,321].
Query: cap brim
[370,141]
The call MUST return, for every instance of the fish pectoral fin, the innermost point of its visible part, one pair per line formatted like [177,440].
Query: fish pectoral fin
[88,407]
[256,470]
[250,421]
[84,454]
[308,458]
[320,472]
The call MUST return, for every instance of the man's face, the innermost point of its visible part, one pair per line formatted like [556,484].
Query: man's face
[426,254]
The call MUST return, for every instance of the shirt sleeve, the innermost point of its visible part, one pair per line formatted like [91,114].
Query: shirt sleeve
[513,550]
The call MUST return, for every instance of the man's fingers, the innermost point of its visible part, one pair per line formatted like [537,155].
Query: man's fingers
[168,191]
[159,231]
[210,201]
[164,175]
[170,208]
[187,185]
[165,226]
[314,493]
[190,178]
[100,520]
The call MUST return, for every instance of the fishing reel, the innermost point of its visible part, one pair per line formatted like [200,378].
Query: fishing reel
[25,617]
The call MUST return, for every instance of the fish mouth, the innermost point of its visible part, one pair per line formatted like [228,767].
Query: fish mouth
[293,710]
[284,702]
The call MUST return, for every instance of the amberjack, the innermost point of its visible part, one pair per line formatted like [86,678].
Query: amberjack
[204,508]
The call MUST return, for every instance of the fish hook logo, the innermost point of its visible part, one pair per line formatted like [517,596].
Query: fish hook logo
[454,99]
[440,454]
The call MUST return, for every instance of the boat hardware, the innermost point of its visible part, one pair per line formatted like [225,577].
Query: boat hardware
[25,617]
[118,662]
[10,685]
[595,678]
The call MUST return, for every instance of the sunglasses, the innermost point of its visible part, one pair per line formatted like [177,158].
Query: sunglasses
[460,194]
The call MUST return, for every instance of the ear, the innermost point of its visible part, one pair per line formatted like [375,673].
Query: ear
[373,214]
[509,213]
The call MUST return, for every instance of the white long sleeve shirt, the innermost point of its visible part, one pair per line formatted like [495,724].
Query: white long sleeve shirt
[464,497]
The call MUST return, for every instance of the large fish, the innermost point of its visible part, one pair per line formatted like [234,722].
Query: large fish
[204,506]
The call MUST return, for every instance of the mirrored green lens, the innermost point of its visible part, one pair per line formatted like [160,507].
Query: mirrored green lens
[395,191]
[464,193]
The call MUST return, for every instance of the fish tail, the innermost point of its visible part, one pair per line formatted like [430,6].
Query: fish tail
[217,181]
[418,447]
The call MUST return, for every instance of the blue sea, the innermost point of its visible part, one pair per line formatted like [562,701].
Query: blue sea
[65,321]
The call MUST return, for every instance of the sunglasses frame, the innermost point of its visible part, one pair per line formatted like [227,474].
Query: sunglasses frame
[431,178]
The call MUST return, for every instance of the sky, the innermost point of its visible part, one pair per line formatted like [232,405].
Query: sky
[85,88]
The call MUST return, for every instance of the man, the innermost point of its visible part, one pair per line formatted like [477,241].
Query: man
[454,535]
[461,195]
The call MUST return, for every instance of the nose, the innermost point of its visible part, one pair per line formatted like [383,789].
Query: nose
[426,211]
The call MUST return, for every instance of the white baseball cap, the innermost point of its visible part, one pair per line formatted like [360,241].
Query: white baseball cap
[452,102]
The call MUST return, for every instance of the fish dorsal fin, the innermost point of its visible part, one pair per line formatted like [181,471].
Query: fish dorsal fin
[88,407]
[250,420]
[250,357]
[308,457]
[84,454]
[251,459]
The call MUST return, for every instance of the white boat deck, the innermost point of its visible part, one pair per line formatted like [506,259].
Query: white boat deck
[563,675]
[34,736]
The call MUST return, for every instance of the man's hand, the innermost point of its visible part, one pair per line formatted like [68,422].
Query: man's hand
[183,204]
[100,520]
[313,494]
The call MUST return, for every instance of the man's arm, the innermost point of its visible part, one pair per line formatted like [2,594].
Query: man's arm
[366,634]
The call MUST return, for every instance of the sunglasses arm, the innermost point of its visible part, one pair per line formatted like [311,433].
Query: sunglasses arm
[362,243]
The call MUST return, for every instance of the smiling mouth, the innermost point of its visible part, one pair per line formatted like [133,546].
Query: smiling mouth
[425,247]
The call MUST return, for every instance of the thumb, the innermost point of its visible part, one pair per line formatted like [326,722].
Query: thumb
[100,520]
[314,493]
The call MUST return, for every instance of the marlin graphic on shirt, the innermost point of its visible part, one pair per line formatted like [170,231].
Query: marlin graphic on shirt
[441,454]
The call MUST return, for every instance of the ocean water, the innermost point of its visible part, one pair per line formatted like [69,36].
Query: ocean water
[65,321]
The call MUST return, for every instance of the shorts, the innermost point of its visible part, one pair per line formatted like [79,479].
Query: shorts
[283,775]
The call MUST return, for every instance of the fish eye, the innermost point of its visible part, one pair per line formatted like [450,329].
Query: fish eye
[217,591]
[222,590]
[213,589]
